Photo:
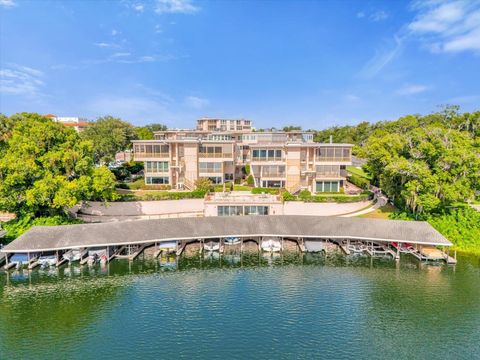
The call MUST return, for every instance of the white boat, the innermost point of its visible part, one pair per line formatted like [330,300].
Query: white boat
[232,241]
[314,245]
[167,245]
[212,245]
[75,254]
[271,244]
[47,260]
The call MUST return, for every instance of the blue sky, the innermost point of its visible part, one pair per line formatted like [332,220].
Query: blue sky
[314,64]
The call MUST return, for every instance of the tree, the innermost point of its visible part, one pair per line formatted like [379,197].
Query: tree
[109,135]
[46,168]
[203,184]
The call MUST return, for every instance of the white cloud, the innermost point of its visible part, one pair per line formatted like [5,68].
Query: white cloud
[158,29]
[447,26]
[412,89]
[106,45]
[8,3]
[196,102]
[382,58]
[20,80]
[139,7]
[120,54]
[175,7]
[379,15]
[115,32]
[351,98]
[136,109]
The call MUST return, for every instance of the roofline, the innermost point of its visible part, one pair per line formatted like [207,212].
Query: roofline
[7,251]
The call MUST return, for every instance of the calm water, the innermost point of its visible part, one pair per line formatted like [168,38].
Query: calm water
[292,306]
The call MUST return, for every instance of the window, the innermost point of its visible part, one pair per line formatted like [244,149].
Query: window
[210,167]
[151,180]
[216,179]
[327,186]
[156,166]
[235,210]
[267,154]
[228,177]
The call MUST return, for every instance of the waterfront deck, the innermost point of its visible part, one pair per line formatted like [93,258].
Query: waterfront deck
[53,238]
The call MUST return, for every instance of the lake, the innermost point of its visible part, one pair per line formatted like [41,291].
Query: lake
[290,306]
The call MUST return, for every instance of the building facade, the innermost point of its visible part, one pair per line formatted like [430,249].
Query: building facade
[211,124]
[77,123]
[290,160]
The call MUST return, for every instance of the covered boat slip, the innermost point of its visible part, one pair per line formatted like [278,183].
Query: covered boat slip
[142,232]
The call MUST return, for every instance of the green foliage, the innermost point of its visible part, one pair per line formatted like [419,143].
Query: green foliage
[204,184]
[247,169]
[325,197]
[18,226]
[286,196]
[292,128]
[272,191]
[166,195]
[45,168]
[461,227]
[109,135]
[304,195]
[250,180]
[357,171]
[127,170]
[359,181]
[142,133]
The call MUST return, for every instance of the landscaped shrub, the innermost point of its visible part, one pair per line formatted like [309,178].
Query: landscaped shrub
[250,180]
[204,184]
[273,191]
[359,181]
[286,196]
[246,169]
[304,195]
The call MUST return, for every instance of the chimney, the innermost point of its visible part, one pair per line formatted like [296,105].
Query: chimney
[331,139]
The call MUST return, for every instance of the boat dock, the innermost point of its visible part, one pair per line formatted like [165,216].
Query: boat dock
[127,239]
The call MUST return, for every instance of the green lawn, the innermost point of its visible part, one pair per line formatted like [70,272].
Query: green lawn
[358,171]
[380,213]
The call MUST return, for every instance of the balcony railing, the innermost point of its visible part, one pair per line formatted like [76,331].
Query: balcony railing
[150,155]
[273,174]
[210,171]
[339,158]
[268,158]
[216,155]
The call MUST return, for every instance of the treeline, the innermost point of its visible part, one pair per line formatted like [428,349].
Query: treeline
[423,163]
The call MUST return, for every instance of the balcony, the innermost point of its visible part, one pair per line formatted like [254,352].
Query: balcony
[216,155]
[146,155]
[267,158]
[334,159]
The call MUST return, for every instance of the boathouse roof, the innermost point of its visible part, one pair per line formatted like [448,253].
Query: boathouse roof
[46,238]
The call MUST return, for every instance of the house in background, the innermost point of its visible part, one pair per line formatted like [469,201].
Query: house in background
[278,159]
[77,123]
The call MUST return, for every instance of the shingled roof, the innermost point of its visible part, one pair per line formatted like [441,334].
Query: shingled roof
[45,238]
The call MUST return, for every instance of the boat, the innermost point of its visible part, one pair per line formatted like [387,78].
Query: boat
[314,245]
[96,254]
[17,260]
[403,247]
[357,247]
[75,255]
[271,244]
[232,241]
[168,245]
[212,245]
[47,260]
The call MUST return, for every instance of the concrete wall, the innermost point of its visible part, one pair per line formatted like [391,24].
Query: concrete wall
[136,208]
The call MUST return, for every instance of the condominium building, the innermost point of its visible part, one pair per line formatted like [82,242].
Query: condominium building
[77,123]
[290,160]
[210,124]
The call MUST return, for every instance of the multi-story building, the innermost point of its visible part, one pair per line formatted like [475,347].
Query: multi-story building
[290,160]
[71,121]
[210,124]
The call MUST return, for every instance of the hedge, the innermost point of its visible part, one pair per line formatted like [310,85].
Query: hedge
[359,181]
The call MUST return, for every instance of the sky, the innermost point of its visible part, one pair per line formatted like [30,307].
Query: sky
[310,63]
